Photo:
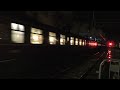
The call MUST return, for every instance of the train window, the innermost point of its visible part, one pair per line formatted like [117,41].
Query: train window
[62,39]
[52,38]
[83,43]
[68,39]
[21,28]
[17,33]
[71,40]
[76,41]
[36,36]
[15,26]
[80,42]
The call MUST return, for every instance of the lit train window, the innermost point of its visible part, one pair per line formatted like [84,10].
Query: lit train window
[80,42]
[68,39]
[76,41]
[71,40]
[83,43]
[52,38]
[62,39]
[36,36]
[17,33]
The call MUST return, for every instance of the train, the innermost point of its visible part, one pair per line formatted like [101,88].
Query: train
[28,47]
[21,31]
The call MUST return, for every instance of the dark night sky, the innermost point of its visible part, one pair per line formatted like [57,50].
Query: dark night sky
[110,22]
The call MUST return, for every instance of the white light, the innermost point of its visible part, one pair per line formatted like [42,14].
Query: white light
[14,26]
[61,42]
[80,42]
[71,40]
[35,37]
[76,41]
[17,36]
[67,38]
[52,34]
[52,40]
[37,31]
[83,43]
[21,27]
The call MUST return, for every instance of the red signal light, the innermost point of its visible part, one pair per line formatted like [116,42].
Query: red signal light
[109,51]
[108,60]
[109,57]
[110,43]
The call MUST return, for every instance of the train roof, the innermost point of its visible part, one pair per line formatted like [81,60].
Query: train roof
[21,18]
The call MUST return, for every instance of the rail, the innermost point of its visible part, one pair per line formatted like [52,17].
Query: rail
[84,75]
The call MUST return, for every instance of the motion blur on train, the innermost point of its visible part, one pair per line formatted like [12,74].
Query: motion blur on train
[28,46]
[24,32]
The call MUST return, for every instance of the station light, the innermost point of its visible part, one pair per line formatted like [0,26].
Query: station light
[110,44]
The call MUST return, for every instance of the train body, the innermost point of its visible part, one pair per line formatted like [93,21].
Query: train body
[35,46]
[16,31]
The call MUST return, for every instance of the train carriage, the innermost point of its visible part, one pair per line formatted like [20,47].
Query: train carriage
[29,46]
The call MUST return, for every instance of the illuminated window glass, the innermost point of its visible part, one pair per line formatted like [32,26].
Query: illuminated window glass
[83,43]
[80,42]
[17,33]
[62,39]
[71,40]
[76,41]
[68,39]
[36,36]
[52,38]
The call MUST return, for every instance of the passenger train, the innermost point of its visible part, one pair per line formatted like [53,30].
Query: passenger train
[30,46]
[18,32]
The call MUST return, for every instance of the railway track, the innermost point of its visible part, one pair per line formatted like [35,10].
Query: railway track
[81,71]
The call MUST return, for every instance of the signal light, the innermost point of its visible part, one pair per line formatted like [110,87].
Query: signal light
[108,60]
[110,43]
[109,52]
[109,57]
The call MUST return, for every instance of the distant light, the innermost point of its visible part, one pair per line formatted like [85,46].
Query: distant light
[109,52]
[109,60]
[92,43]
[109,56]
[110,44]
